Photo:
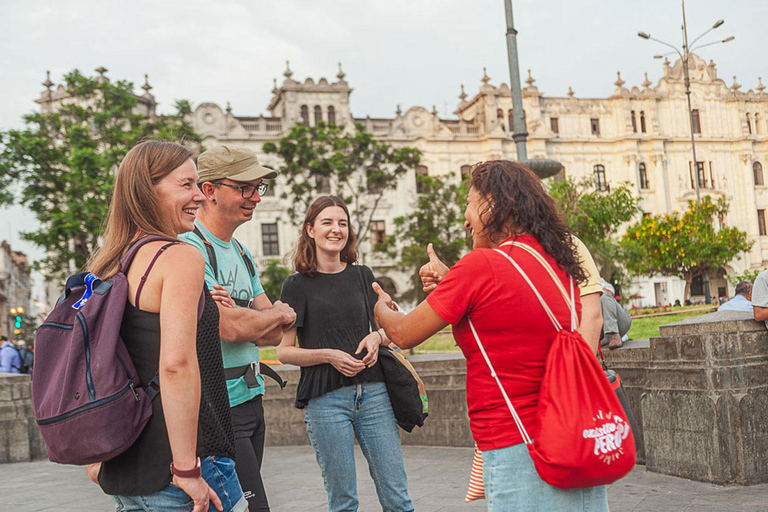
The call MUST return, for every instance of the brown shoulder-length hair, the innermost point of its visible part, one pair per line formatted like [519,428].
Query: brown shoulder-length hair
[134,210]
[518,203]
[305,260]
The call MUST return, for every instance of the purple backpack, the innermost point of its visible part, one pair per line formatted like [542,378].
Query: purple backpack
[88,401]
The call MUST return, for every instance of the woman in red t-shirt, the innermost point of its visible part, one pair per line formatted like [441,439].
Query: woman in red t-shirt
[506,202]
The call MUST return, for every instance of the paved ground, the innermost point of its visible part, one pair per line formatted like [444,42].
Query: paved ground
[437,476]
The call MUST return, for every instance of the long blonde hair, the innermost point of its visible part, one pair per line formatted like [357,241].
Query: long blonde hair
[134,210]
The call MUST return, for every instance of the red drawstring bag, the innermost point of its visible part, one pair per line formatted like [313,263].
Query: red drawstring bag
[583,438]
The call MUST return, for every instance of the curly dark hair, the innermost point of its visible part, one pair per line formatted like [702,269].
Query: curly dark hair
[519,204]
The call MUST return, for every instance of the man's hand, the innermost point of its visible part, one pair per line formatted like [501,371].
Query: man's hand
[432,272]
[345,363]
[93,471]
[200,492]
[371,345]
[220,295]
[289,315]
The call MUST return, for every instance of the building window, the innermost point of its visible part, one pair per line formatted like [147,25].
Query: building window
[695,121]
[643,176]
[697,286]
[318,115]
[378,231]
[642,121]
[466,172]
[757,123]
[553,123]
[700,172]
[595,126]
[421,170]
[304,115]
[510,120]
[270,245]
[634,122]
[331,115]
[600,181]
[757,170]
[761,222]
[711,176]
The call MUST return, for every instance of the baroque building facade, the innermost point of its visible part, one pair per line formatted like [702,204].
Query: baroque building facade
[15,287]
[639,134]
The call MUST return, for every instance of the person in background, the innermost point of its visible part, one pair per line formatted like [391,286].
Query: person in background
[741,301]
[10,360]
[616,320]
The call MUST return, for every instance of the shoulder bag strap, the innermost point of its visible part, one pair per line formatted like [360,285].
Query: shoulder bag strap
[127,258]
[149,268]
[359,270]
[246,259]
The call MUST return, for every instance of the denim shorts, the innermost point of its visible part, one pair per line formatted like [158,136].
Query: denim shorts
[220,475]
[512,483]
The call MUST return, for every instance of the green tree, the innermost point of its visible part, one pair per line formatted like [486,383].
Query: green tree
[62,165]
[684,245]
[437,218]
[595,216]
[272,277]
[354,165]
[747,275]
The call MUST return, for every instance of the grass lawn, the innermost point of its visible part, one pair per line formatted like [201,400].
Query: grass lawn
[643,328]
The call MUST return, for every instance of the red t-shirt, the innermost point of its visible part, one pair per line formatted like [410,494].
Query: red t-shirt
[514,329]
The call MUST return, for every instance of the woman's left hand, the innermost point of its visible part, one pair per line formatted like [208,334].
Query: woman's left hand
[220,295]
[371,345]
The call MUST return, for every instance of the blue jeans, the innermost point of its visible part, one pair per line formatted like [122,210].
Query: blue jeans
[512,483]
[363,412]
[220,475]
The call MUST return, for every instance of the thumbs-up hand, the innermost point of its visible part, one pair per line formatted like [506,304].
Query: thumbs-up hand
[432,272]
[384,298]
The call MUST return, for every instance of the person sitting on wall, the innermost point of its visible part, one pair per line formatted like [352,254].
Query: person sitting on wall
[616,320]
[740,301]
[10,361]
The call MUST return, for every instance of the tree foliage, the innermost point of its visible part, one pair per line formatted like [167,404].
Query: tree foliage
[595,216]
[684,245]
[62,165]
[272,277]
[437,218]
[353,165]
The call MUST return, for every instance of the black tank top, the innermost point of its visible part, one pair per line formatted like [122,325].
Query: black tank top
[145,467]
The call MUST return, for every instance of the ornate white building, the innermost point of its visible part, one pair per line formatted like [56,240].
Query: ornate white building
[639,135]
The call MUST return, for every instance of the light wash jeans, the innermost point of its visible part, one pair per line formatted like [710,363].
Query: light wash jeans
[363,412]
[220,475]
[512,483]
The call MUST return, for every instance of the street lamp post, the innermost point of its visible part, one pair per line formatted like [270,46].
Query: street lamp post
[684,57]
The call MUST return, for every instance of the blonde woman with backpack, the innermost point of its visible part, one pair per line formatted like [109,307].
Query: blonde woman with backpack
[183,459]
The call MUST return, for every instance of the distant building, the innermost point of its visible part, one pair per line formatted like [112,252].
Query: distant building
[15,287]
[639,135]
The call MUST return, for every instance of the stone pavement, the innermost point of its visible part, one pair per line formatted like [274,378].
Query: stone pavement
[438,478]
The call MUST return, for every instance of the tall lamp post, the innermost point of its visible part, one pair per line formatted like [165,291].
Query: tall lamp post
[684,57]
[543,167]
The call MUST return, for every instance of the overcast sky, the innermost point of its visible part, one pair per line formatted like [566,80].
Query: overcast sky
[408,52]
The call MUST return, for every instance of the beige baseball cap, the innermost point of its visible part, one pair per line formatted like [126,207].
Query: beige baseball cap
[234,163]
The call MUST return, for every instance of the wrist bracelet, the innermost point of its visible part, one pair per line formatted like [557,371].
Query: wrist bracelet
[380,336]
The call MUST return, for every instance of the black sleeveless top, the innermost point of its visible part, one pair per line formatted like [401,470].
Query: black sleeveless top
[331,313]
[145,467]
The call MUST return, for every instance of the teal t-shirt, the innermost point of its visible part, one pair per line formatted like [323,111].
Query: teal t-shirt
[235,278]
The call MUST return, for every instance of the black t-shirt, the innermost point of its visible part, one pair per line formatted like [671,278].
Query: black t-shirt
[330,313]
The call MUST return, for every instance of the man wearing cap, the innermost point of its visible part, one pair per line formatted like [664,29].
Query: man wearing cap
[232,181]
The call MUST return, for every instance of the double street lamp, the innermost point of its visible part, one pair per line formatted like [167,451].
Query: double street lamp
[684,57]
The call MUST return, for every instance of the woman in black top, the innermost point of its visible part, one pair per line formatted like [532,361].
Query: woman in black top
[170,328]
[341,387]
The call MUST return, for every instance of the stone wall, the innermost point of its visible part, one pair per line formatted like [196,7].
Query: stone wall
[447,424]
[699,393]
[19,438]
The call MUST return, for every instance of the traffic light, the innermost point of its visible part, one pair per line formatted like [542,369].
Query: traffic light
[18,319]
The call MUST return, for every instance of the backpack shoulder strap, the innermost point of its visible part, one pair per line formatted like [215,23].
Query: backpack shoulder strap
[149,268]
[246,259]
[125,261]
[209,250]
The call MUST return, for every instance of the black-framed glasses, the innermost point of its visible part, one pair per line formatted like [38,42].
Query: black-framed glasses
[247,191]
